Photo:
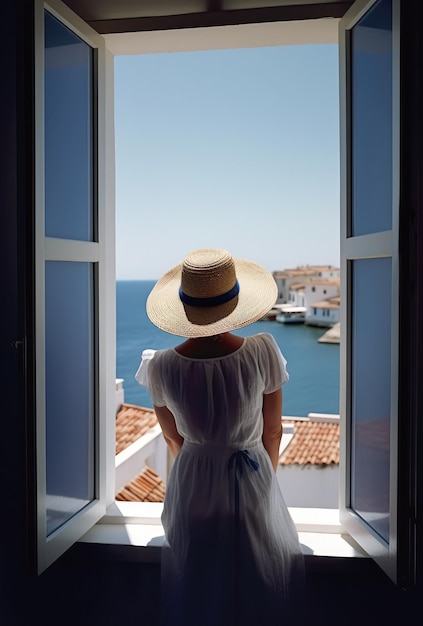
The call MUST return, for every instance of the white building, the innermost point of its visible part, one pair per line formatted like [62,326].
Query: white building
[288,277]
[327,272]
[296,297]
[306,293]
[325,313]
[320,290]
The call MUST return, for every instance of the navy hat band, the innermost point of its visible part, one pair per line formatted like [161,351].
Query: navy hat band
[212,301]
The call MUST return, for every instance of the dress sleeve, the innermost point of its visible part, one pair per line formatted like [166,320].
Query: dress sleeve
[276,374]
[147,376]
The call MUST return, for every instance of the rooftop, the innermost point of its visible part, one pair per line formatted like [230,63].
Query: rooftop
[146,487]
[323,281]
[308,270]
[132,422]
[314,441]
[330,303]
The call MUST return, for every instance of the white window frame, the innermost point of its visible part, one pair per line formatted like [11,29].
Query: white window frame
[378,245]
[102,253]
[139,523]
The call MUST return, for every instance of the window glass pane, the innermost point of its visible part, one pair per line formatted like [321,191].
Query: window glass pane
[371,391]
[371,59]
[69,390]
[68,134]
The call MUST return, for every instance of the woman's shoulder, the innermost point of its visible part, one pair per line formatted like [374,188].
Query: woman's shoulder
[269,353]
[150,354]
[150,359]
[266,345]
[263,339]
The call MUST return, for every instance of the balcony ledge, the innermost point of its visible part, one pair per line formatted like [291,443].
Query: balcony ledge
[135,530]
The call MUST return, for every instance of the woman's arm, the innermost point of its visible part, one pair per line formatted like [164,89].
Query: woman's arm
[167,422]
[272,425]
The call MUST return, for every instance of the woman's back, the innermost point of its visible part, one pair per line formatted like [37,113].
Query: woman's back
[218,400]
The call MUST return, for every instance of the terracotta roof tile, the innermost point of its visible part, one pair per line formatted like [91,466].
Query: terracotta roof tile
[330,303]
[308,270]
[292,273]
[324,268]
[323,281]
[146,487]
[313,443]
[131,423]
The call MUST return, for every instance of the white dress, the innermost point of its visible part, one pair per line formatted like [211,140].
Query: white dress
[233,554]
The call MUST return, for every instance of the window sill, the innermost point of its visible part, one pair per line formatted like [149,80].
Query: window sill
[137,525]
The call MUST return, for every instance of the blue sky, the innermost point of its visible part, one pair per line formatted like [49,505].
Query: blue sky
[236,149]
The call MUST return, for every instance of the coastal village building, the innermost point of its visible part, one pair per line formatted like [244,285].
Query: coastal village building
[296,296]
[325,313]
[320,290]
[313,290]
[285,278]
[306,293]
[320,300]
[288,277]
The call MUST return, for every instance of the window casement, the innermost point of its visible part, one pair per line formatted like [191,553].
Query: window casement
[370,143]
[73,444]
[74,283]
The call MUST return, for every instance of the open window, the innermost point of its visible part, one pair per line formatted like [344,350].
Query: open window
[74,280]
[74,283]
[369,71]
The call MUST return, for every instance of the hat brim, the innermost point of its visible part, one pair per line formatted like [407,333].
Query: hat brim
[257,295]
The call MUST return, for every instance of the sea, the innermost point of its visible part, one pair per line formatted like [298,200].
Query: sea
[313,367]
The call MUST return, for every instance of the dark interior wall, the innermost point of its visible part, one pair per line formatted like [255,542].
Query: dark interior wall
[11,328]
[86,586]
[411,280]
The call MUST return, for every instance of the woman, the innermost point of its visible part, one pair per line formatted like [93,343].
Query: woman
[232,554]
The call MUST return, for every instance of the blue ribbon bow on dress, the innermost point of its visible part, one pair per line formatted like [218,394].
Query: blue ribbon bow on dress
[237,461]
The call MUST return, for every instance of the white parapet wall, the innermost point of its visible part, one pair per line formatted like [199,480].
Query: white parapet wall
[309,485]
[302,485]
[119,394]
[150,449]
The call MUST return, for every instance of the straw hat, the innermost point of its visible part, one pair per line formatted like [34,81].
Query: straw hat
[211,293]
